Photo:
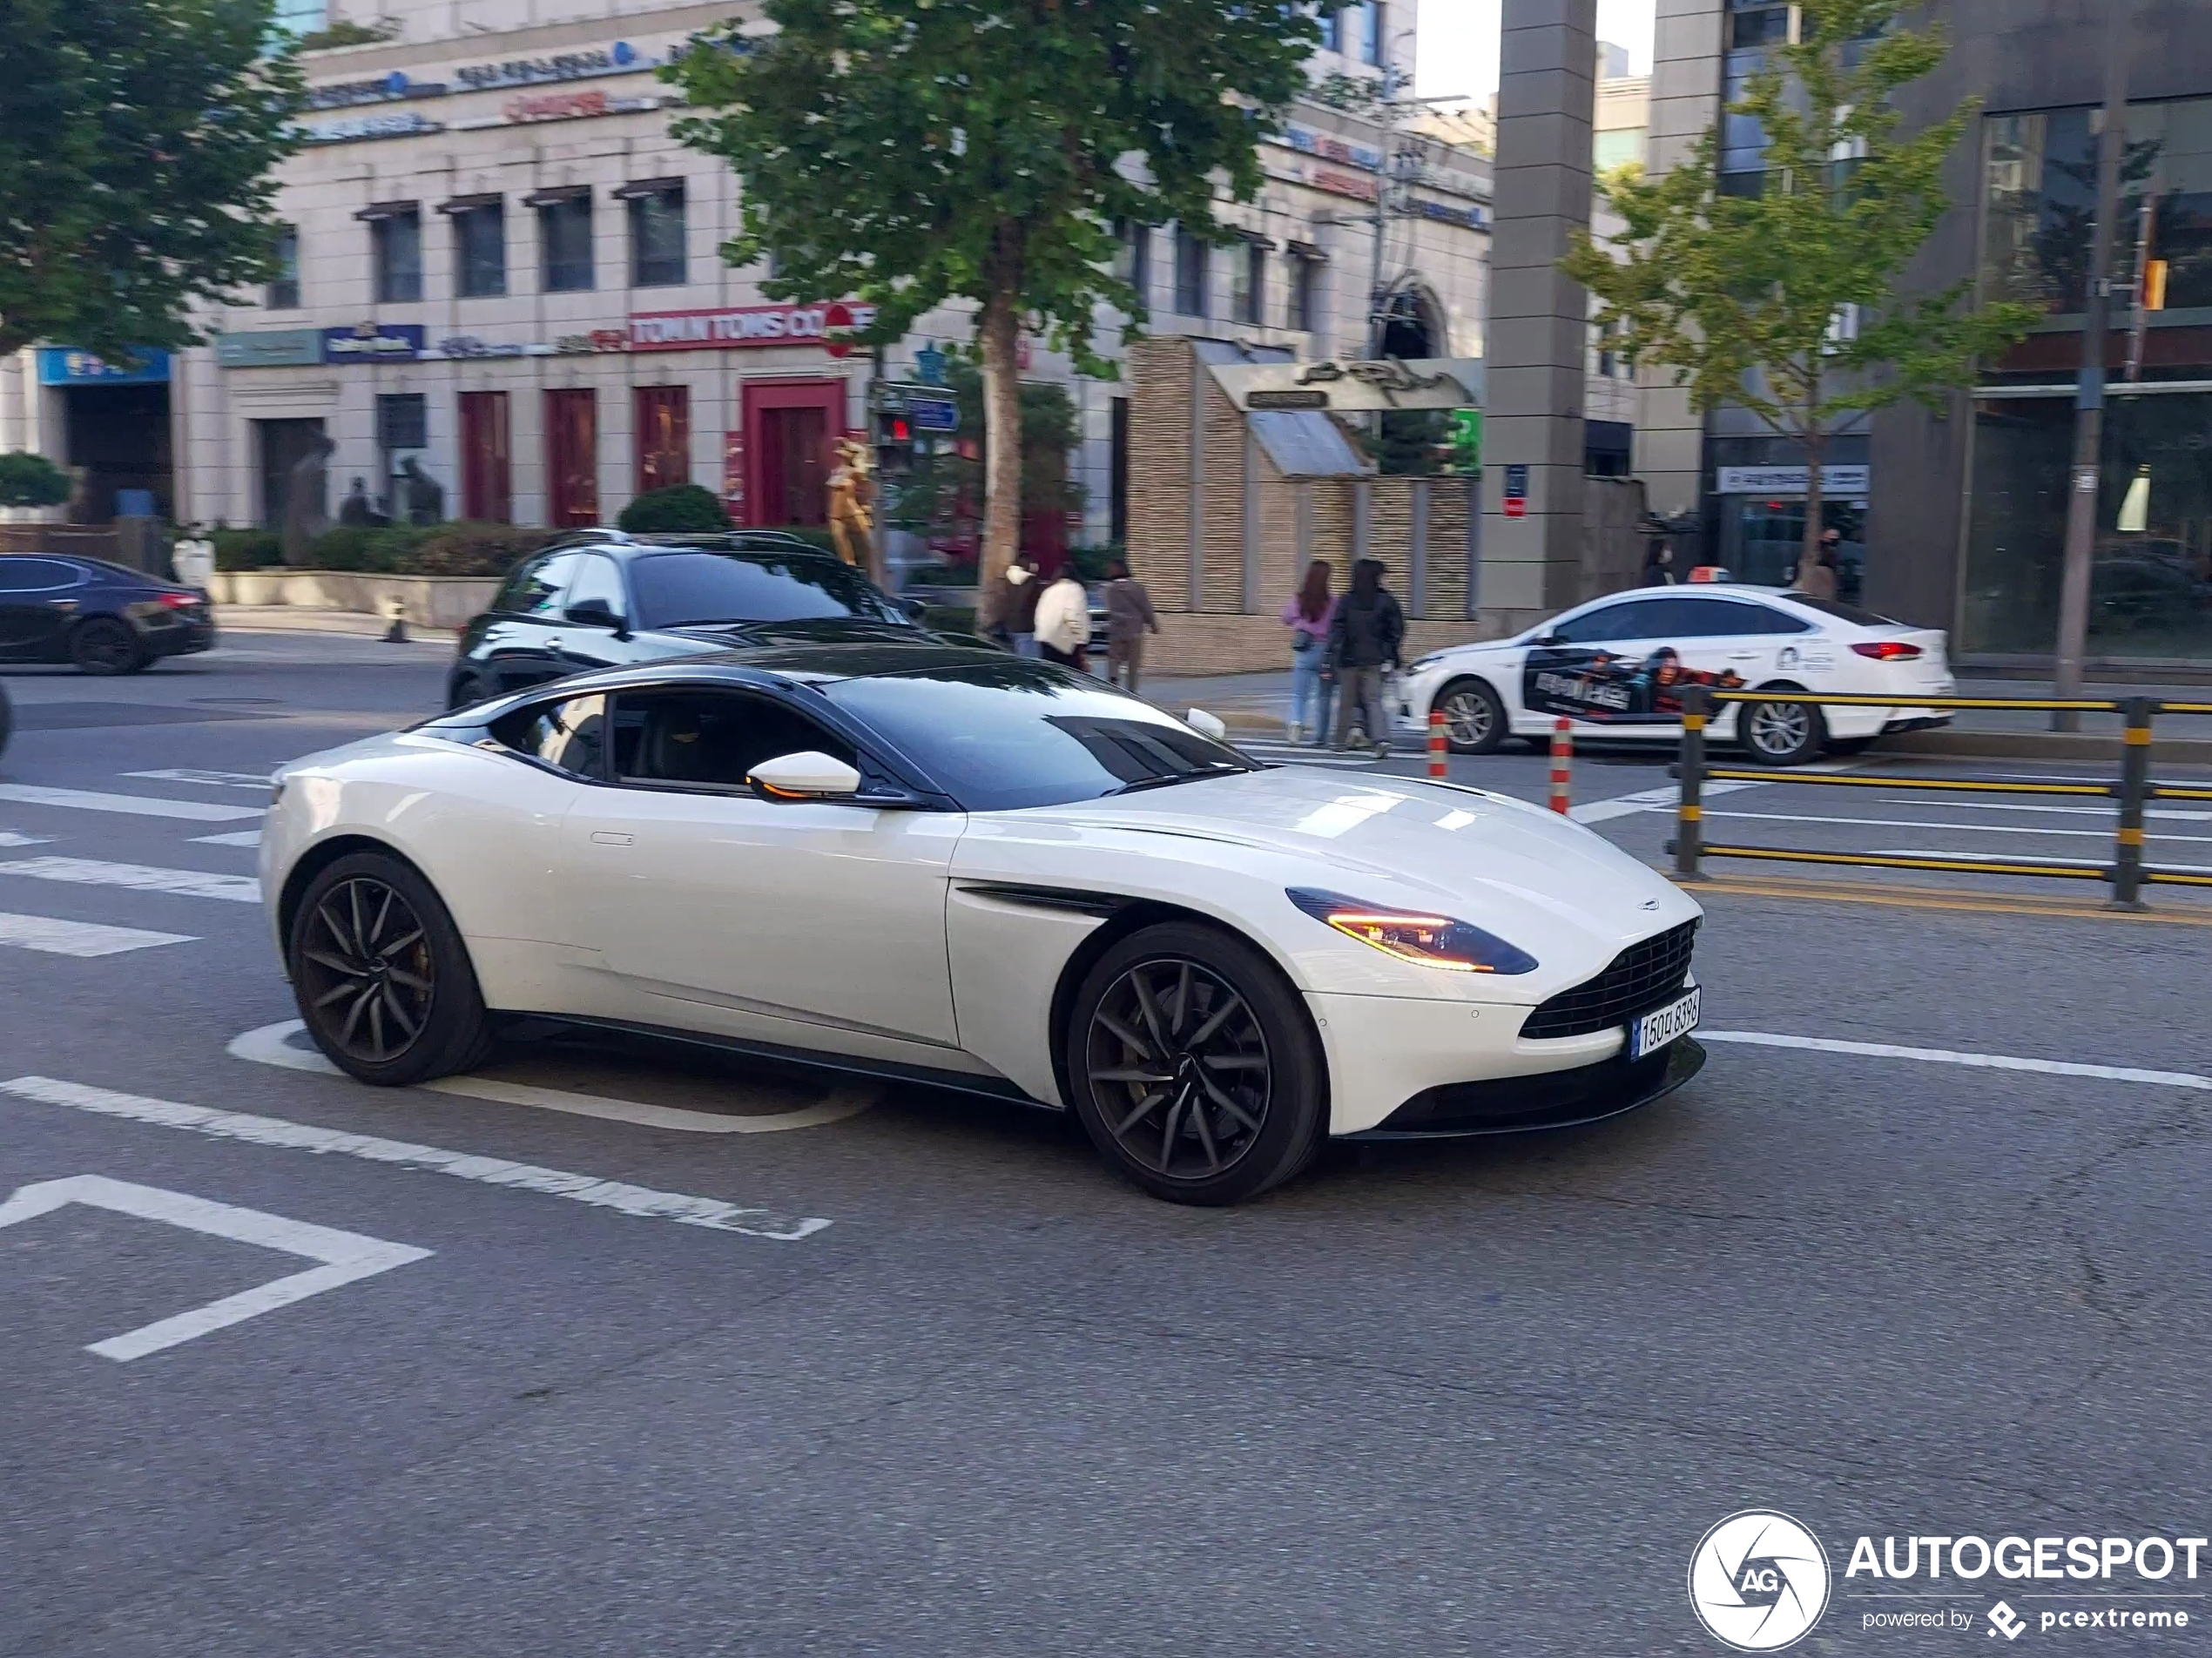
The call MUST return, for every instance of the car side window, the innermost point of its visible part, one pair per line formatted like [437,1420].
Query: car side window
[536,590]
[595,579]
[20,575]
[569,735]
[1723,618]
[1631,619]
[708,739]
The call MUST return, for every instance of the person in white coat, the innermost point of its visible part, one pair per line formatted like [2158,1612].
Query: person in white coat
[1063,621]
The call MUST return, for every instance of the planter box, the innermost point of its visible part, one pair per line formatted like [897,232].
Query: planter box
[432,601]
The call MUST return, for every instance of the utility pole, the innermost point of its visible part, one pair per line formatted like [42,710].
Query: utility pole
[2089,394]
[1377,319]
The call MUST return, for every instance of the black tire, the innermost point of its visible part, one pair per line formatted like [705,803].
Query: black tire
[1160,1020]
[1844,747]
[381,976]
[1475,720]
[1780,734]
[106,645]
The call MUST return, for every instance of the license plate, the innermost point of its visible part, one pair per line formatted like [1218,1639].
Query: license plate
[1654,1030]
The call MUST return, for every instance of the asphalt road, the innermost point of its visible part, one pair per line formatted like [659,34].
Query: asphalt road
[897,1372]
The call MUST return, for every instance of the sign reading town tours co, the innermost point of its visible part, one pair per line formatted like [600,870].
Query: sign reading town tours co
[1836,482]
[67,366]
[743,326]
[373,342]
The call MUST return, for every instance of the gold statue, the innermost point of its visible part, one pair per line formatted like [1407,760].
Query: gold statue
[851,490]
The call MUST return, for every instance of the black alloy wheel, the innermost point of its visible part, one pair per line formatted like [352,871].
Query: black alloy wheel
[1782,733]
[381,975]
[1475,720]
[106,645]
[1193,1066]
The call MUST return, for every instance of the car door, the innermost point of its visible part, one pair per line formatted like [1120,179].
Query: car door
[518,647]
[1727,642]
[585,638]
[809,924]
[37,603]
[1586,667]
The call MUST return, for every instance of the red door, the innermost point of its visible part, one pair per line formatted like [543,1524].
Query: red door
[487,488]
[571,459]
[788,427]
[663,436]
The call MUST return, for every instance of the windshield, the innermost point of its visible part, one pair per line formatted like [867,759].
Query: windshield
[1004,735]
[677,590]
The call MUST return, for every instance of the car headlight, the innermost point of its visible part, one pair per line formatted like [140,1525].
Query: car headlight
[1426,662]
[1412,935]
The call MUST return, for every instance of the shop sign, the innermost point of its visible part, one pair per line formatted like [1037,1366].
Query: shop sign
[1472,218]
[1517,491]
[583,344]
[1343,184]
[738,327]
[1292,397]
[385,89]
[621,58]
[400,124]
[269,349]
[67,366]
[1838,483]
[1331,148]
[469,346]
[373,342]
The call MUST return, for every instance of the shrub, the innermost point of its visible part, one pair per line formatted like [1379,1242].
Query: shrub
[31,481]
[384,550]
[245,549]
[476,549]
[680,508]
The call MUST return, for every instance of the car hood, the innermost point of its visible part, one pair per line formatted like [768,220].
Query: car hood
[1497,862]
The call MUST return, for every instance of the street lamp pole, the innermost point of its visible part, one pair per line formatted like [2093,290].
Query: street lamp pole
[2089,394]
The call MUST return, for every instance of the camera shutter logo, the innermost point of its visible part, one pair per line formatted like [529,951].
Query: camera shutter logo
[1758,1581]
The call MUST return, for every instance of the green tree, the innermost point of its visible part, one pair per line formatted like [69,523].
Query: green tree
[31,481]
[1789,303]
[912,151]
[136,140]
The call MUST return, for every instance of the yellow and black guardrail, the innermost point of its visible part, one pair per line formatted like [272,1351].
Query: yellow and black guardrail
[2133,790]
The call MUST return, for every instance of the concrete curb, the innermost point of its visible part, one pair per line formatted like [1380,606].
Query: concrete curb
[285,618]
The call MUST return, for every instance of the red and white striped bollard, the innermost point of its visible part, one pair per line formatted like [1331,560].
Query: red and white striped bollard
[1563,763]
[1438,748]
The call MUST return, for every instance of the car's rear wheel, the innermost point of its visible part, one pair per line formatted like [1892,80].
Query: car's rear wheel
[382,975]
[1475,720]
[1782,733]
[1193,1066]
[106,645]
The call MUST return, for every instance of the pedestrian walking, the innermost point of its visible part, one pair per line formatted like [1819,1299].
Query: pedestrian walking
[1818,579]
[1128,618]
[1019,589]
[1364,638]
[1307,617]
[1656,571]
[1063,621]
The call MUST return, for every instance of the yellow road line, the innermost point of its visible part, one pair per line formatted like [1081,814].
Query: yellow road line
[1931,898]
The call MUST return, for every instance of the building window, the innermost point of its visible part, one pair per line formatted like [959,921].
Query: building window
[657,237]
[1373,24]
[1190,274]
[479,250]
[302,16]
[663,436]
[1133,258]
[565,240]
[1756,24]
[284,288]
[402,440]
[487,488]
[1247,282]
[1608,360]
[395,247]
[1305,312]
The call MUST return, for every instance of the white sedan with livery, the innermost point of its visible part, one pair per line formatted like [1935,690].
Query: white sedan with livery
[985,873]
[1617,666]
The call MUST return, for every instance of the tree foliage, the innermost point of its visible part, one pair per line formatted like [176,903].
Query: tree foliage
[916,152]
[680,508]
[135,141]
[1790,303]
[31,481]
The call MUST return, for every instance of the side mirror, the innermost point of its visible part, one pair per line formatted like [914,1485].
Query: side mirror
[1547,638]
[810,775]
[596,613]
[1206,724]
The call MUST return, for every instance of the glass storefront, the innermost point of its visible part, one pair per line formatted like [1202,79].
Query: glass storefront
[2150,594]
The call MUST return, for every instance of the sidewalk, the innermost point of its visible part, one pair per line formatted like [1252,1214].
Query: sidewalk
[287,618]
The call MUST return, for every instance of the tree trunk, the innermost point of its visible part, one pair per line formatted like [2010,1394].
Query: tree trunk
[999,329]
[1809,554]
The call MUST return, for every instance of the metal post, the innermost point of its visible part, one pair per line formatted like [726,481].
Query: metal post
[2089,393]
[1697,706]
[2135,791]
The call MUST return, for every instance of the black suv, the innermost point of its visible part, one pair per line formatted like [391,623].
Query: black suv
[601,598]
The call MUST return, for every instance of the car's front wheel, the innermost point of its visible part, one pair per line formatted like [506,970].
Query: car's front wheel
[1193,1067]
[1780,734]
[106,645]
[382,975]
[1475,720]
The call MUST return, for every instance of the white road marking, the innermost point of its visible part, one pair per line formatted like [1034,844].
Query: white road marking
[52,937]
[1666,800]
[236,837]
[1956,828]
[10,837]
[1948,1056]
[258,781]
[710,1212]
[270,1045]
[135,805]
[346,1257]
[142,877]
[2171,814]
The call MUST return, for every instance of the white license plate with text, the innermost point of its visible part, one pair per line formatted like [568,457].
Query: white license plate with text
[1654,1030]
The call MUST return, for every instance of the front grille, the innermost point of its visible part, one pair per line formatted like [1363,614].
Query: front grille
[1642,977]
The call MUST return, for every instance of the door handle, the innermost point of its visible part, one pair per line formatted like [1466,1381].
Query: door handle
[612,838]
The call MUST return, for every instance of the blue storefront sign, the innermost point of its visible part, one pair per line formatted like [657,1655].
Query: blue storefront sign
[373,342]
[67,366]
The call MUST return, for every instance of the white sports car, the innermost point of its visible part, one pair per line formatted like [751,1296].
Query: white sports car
[988,873]
[1616,666]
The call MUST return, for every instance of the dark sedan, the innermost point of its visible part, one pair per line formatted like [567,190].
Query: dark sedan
[102,617]
[605,599]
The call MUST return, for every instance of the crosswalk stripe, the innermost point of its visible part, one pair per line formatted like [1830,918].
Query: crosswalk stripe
[236,837]
[140,805]
[145,878]
[10,837]
[53,937]
[256,780]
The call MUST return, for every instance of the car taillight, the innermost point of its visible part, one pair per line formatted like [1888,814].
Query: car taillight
[1889,650]
[177,601]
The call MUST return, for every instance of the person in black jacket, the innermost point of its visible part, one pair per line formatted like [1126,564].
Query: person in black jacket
[1364,639]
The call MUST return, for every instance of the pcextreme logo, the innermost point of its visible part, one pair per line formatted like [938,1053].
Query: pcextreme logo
[1758,1581]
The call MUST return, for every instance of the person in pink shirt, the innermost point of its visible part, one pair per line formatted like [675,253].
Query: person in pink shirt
[1308,616]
